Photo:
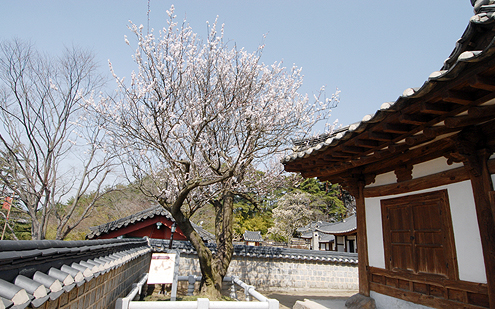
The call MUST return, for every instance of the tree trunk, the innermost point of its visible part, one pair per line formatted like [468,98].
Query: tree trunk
[211,280]
[224,220]
[213,266]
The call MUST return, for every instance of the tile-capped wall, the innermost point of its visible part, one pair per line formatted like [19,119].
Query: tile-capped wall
[103,291]
[284,274]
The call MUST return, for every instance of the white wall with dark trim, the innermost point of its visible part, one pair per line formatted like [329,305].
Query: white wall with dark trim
[464,222]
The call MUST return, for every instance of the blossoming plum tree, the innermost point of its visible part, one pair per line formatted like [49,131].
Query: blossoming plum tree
[197,119]
[293,211]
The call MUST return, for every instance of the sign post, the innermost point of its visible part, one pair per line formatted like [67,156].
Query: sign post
[164,269]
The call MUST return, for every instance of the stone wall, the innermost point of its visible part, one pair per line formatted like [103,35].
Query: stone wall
[280,274]
[103,291]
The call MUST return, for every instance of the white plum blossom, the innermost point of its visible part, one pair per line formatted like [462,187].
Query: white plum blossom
[199,117]
[293,211]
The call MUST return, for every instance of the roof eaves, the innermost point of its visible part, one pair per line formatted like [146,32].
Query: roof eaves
[450,70]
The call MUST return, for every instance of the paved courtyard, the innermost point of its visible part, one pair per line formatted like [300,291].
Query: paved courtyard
[332,299]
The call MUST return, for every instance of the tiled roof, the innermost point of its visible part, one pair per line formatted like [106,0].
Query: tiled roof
[252,236]
[31,272]
[149,213]
[443,100]
[265,252]
[322,237]
[326,237]
[312,226]
[348,225]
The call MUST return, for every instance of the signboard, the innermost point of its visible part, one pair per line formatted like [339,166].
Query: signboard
[162,268]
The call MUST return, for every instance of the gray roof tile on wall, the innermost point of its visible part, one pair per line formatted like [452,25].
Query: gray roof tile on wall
[185,247]
[28,278]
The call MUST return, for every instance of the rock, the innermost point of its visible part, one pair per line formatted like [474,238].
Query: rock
[358,301]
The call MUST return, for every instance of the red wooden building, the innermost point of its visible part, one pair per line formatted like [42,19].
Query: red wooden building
[154,222]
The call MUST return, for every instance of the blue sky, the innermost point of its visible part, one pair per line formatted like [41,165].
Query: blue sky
[371,50]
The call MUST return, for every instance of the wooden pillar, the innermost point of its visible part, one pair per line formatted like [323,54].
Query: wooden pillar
[356,189]
[482,187]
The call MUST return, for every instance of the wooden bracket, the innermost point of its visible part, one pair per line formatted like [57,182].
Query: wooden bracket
[352,183]
[403,173]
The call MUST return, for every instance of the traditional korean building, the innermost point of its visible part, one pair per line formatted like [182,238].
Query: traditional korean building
[337,236]
[252,238]
[154,222]
[314,239]
[344,233]
[422,170]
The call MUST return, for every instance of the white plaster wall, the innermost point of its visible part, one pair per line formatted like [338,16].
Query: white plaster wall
[376,253]
[432,167]
[466,233]
[386,302]
[493,175]
[427,168]
[464,221]
[384,179]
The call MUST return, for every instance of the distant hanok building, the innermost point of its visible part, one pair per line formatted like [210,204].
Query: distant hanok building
[422,170]
[252,238]
[337,236]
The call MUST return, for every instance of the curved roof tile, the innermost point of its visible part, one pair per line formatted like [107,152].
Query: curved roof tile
[24,283]
[252,236]
[346,226]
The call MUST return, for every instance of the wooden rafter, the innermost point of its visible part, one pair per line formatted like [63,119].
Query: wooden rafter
[416,119]
[463,98]
[396,128]
[480,111]
[367,143]
[436,108]
[481,82]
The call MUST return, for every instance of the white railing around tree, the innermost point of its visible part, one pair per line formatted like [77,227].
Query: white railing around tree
[202,303]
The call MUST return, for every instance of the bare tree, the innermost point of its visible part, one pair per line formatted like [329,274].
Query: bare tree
[196,120]
[51,150]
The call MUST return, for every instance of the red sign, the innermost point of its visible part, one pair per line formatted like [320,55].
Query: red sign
[7,203]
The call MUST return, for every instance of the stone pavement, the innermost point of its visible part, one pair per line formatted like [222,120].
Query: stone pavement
[331,299]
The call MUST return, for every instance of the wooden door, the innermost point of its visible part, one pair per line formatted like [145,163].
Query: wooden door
[418,235]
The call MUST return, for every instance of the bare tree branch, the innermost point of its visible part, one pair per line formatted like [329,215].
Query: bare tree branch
[45,127]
